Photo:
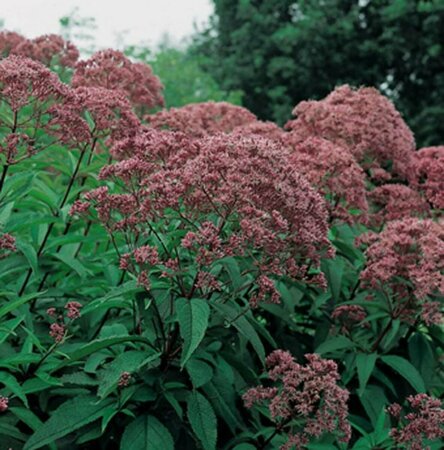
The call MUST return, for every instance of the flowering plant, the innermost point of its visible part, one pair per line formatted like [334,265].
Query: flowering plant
[197,278]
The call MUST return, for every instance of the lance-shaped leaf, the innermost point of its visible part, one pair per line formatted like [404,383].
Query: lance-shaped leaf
[193,318]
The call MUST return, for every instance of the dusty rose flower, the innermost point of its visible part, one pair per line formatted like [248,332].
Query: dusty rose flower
[33,93]
[144,280]
[268,130]
[110,112]
[349,316]
[124,379]
[4,401]
[266,292]
[112,70]
[335,173]
[202,119]
[48,49]
[207,281]
[407,258]
[9,40]
[23,81]
[57,332]
[73,310]
[245,184]
[426,174]
[51,312]
[362,121]
[396,201]
[7,245]
[309,393]
[431,313]
[425,420]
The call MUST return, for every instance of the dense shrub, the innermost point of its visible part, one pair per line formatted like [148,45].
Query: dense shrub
[195,278]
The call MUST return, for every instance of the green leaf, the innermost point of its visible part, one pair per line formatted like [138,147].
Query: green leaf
[199,371]
[422,357]
[14,304]
[127,288]
[74,264]
[129,361]
[235,318]
[146,433]
[334,270]
[222,397]
[94,346]
[374,401]
[203,420]
[406,370]
[27,417]
[193,318]
[68,417]
[29,252]
[8,327]
[12,384]
[333,344]
[365,364]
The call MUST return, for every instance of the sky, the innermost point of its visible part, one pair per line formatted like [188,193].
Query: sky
[135,21]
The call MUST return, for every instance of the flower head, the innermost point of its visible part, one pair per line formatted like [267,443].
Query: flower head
[9,41]
[407,257]
[73,310]
[426,174]
[111,69]
[7,245]
[425,420]
[57,332]
[48,49]
[202,119]
[362,121]
[4,401]
[396,201]
[236,196]
[23,80]
[308,392]
[335,173]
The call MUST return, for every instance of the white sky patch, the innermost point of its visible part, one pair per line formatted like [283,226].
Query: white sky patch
[135,21]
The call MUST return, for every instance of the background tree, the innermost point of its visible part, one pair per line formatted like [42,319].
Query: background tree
[281,51]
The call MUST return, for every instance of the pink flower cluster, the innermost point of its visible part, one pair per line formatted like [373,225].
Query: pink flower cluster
[110,112]
[335,173]
[30,92]
[308,394]
[348,316]
[395,202]
[407,258]
[48,49]
[111,69]
[268,130]
[202,119]
[427,174]
[424,421]
[58,329]
[7,245]
[259,206]
[124,379]
[4,402]
[23,81]
[362,121]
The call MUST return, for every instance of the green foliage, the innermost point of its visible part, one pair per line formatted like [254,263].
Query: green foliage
[203,420]
[165,364]
[146,433]
[183,79]
[193,322]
